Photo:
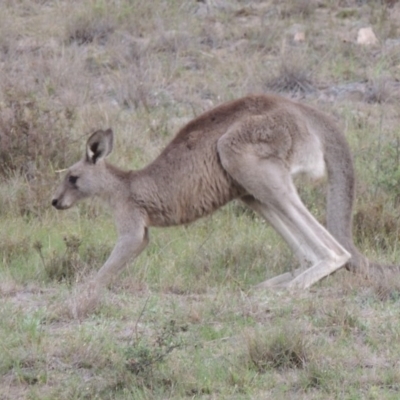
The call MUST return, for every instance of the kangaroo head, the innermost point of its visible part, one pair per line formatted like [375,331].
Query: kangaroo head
[87,177]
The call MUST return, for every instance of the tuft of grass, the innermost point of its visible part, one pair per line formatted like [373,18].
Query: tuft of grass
[387,290]
[11,248]
[388,168]
[293,77]
[341,321]
[347,13]
[381,91]
[297,8]
[87,28]
[376,224]
[282,348]
[317,376]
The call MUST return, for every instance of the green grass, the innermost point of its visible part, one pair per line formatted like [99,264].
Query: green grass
[183,320]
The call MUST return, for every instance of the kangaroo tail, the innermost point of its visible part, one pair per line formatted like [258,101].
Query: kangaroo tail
[340,200]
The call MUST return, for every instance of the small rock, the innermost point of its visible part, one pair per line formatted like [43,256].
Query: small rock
[299,36]
[294,35]
[366,36]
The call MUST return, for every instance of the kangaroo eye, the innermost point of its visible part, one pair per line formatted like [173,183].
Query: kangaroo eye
[72,179]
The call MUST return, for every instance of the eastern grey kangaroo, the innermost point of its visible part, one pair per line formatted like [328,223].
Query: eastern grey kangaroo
[248,149]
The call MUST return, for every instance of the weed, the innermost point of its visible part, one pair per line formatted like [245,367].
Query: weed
[62,267]
[145,355]
[74,263]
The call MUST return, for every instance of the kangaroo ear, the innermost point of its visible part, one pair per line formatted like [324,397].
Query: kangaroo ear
[99,145]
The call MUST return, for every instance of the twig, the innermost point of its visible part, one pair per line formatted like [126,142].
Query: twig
[139,317]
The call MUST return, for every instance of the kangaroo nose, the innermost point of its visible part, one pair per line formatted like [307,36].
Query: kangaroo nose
[54,202]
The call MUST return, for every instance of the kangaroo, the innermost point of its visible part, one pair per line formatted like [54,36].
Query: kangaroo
[248,149]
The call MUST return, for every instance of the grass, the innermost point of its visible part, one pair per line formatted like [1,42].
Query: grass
[183,321]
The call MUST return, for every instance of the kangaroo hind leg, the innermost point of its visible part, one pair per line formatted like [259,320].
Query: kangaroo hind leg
[260,167]
[318,255]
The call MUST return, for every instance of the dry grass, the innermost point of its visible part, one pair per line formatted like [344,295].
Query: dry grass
[302,8]
[293,78]
[33,137]
[283,349]
[183,321]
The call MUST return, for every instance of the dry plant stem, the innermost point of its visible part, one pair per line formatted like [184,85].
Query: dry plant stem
[139,317]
